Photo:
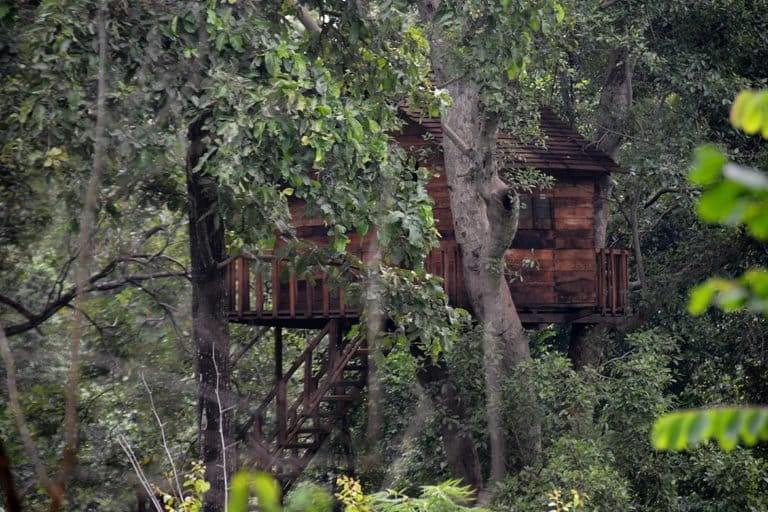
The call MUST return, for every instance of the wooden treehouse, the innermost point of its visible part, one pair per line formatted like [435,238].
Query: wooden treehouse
[556,275]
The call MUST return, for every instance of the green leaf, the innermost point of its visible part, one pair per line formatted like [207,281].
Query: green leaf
[272,62]
[718,203]
[708,165]
[701,297]
[357,130]
[559,13]
[262,485]
[513,69]
[686,429]
[750,112]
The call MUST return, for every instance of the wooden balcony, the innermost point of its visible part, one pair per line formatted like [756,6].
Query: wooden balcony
[560,286]
[265,291]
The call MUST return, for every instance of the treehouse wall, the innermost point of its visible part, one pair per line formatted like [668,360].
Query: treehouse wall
[551,262]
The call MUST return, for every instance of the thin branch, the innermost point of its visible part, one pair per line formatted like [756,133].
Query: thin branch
[148,234]
[139,472]
[221,428]
[58,286]
[169,311]
[18,412]
[84,241]
[237,356]
[661,218]
[164,440]
[87,317]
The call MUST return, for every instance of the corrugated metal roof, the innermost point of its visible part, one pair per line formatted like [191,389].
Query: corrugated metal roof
[563,150]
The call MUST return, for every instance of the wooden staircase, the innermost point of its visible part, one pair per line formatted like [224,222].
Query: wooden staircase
[307,402]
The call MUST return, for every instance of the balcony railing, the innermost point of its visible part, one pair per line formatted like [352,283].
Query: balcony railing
[266,289]
[612,282]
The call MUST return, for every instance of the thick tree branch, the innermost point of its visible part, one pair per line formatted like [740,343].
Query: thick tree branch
[17,306]
[306,19]
[456,139]
[50,309]
[660,193]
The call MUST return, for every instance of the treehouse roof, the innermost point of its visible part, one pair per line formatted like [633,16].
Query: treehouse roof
[563,150]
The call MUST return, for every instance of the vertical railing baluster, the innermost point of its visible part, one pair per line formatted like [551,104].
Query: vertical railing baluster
[230,286]
[614,294]
[243,302]
[259,291]
[275,287]
[601,281]
[281,394]
[309,289]
[326,298]
[625,282]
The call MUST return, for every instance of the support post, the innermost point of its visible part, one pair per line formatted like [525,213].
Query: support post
[281,399]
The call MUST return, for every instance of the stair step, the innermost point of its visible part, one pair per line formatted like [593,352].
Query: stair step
[346,383]
[313,430]
[364,351]
[337,398]
[299,446]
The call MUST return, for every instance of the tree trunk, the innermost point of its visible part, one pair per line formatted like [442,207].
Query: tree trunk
[12,502]
[485,212]
[612,117]
[460,452]
[210,330]
[612,120]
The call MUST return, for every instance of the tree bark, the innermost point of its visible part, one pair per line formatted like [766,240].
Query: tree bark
[12,502]
[210,330]
[612,119]
[460,451]
[612,116]
[485,212]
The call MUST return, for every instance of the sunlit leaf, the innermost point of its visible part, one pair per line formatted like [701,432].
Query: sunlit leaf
[683,430]
[708,165]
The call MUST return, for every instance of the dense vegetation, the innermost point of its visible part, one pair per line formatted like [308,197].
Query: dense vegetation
[144,143]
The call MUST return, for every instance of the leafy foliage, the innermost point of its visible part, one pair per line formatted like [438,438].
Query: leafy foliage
[735,195]
[444,497]
[688,429]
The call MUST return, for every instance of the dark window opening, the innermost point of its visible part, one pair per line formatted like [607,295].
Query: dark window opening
[535,212]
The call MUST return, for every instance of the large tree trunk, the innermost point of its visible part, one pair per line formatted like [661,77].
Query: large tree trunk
[209,326]
[612,119]
[460,452]
[485,212]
